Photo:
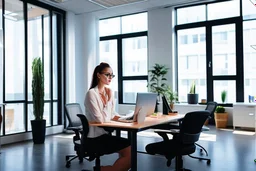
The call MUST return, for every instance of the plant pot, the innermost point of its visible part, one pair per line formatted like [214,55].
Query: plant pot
[192,98]
[172,105]
[38,131]
[221,119]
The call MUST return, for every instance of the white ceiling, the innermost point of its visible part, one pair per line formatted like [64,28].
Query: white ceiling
[85,6]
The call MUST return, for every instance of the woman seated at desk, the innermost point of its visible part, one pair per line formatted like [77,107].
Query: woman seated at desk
[99,107]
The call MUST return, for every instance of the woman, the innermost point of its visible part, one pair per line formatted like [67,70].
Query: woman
[99,106]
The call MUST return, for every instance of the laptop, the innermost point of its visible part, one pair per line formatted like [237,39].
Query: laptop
[145,106]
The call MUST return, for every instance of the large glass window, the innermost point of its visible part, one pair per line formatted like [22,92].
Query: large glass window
[223,10]
[224,50]
[108,53]
[41,40]
[249,11]
[191,63]
[14,51]
[128,48]
[249,32]
[191,14]
[210,52]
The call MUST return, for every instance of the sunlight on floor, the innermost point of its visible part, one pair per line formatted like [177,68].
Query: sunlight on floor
[244,132]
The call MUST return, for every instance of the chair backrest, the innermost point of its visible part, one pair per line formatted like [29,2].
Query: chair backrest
[71,110]
[192,125]
[211,106]
[85,128]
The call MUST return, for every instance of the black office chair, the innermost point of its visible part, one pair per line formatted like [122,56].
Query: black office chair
[183,142]
[71,111]
[88,147]
[211,106]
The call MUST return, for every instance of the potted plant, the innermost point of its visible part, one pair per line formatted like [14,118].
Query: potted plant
[38,124]
[192,96]
[221,117]
[157,81]
[223,96]
[171,96]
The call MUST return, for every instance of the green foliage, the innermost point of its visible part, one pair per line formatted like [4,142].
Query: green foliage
[157,79]
[38,88]
[223,96]
[193,88]
[220,109]
[171,95]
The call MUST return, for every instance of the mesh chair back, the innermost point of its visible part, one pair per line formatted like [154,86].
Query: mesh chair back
[192,125]
[72,109]
[211,106]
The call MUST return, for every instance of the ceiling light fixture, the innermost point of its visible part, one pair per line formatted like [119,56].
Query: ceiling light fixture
[114,3]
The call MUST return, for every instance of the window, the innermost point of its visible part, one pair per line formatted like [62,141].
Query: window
[249,11]
[249,30]
[41,40]
[195,38]
[183,39]
[191,57]
[191,14]
[223,10]
[208,51]
[130,66]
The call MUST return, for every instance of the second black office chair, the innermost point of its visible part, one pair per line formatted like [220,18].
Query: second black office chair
[183,142]
[211,106]
[71,111]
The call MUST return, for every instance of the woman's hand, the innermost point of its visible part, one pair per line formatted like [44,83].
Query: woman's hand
[115,118]
[109,93]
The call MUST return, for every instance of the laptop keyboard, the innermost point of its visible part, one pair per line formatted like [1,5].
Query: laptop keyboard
[126,120]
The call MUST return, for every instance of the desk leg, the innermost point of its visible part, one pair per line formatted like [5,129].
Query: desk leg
[118,133]
[133,135]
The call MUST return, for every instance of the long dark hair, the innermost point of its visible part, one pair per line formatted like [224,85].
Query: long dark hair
[98,69]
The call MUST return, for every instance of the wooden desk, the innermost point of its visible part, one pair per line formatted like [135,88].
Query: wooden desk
[133,128]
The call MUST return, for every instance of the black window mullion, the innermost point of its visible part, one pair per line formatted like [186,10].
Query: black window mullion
[209,78]
[25,9]
[51,67]
[120,71]
[141,77]
[240,62]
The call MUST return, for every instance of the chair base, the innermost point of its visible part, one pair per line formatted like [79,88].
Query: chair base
[69,158]
[201,158]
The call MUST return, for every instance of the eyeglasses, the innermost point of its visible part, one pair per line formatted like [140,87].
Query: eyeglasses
[109,75]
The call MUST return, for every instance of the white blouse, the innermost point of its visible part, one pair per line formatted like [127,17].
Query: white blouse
[96,111]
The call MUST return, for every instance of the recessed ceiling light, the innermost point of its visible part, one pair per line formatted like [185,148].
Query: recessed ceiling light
[114,3]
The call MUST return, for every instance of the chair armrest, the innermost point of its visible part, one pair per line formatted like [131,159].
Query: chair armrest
[77,130]
[205,128]
[163,133]
[74,128]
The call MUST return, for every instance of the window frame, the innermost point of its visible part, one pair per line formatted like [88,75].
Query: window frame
[208,24]
[121,78]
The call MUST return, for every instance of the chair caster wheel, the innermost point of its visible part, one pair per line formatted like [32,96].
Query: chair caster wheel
[208,162]
[81,160]
[169,162]
[68,165]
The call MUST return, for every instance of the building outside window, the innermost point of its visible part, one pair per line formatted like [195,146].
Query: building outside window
[127,54]
[28,34]
[218,56]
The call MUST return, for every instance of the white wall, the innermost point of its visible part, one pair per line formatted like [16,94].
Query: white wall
[160,39]
[81,56]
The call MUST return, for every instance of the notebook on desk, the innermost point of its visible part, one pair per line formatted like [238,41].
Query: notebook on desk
[145,106]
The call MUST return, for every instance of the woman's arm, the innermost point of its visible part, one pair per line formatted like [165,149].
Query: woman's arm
[114,114]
